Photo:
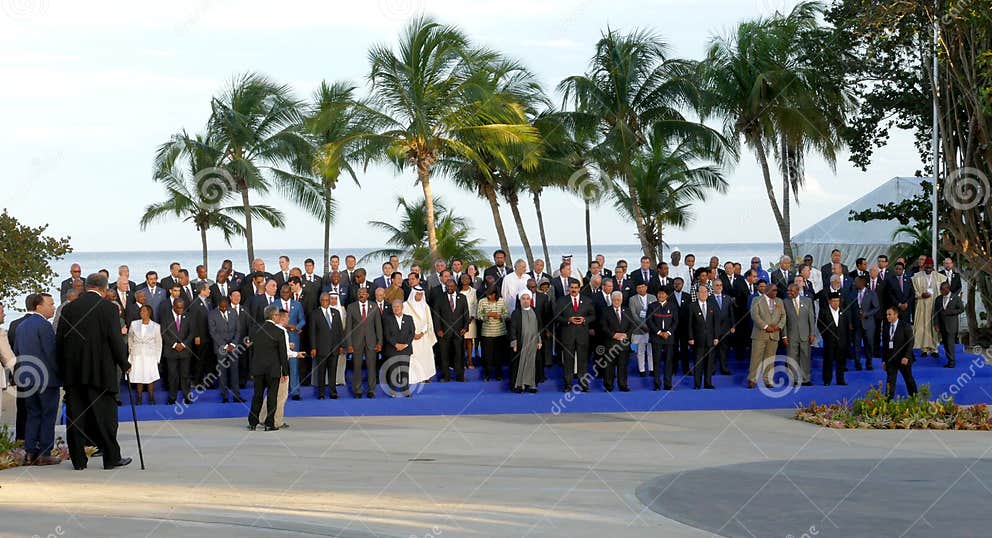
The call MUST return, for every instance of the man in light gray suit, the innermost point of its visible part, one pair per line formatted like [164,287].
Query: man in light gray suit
[800,332]
[364,337]
[768,317]
[638,305]
[223,325]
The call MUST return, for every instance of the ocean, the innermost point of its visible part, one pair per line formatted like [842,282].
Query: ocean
[140,262]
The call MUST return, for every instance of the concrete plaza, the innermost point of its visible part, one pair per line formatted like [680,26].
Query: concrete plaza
[733,473]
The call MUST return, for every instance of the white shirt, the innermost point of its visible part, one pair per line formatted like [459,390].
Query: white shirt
[512,285]
[836,315]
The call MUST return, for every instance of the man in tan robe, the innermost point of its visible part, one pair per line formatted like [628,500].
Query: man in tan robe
[926,286]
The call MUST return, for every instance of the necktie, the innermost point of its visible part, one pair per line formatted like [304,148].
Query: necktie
[619,317]
[719,301]
[900,284]
[861,296]
[702,307]
[380,308]
[645,273]
[223,289]
[178,319]
[225,316]
[575,304]
[796,303]
[286,305]
[363,312]
[327,316]
[296,296]
[892,331]
[451,299]
[771,304]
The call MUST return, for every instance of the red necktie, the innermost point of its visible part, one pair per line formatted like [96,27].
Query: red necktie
[363,312]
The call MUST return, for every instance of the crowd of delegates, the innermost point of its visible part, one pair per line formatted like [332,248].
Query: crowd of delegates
[294,327]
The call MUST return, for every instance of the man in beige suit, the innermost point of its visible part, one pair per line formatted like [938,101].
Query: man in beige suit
[768,317]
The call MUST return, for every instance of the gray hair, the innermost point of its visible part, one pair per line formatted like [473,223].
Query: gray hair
[616,294]
[270,311]
[785,258]
[97,281]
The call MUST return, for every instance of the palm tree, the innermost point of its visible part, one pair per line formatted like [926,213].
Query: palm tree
[765,82]
[341,126]
[632,85]
[256,127]
[406,239]
[425,93]
[673,174]
[198,193]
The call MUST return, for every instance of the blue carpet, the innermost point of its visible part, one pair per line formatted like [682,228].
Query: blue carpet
[970,382]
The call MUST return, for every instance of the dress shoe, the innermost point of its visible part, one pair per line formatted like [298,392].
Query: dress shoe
[949,365]
[585,389]
[461,379]
[252,428]
[271,428]
[320,396]
[29,460]
[295,397]
[725,372]
[518,390]
[357,395]
[151,401]
[137,402]
[668,387]
[370,394]
[532,390]
[608,389]
[808,384]
[171,401]
[769,386]
[119,463]
[842,383]
[284,426]
[79,468]
[750,384]
[708,387]
[334,396]
[656,388]
[188,400]
[624,389]
[857,367]
[224,400]
[869,368]
[642,374]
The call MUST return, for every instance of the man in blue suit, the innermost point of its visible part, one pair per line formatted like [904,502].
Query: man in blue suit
[38,378]
[864,306]
[297,320]
[154,294]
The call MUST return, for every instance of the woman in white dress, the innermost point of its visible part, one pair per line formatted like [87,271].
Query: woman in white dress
[472,297]
[422,360]
[144,344]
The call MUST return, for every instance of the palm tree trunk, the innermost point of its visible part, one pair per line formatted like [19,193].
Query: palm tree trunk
[786,212]
[327,233]
[203,243]
[540,226]
[589,233]
[497,219]
[515,209]
[638,219]
[424,175]
[783,229]
[249,237]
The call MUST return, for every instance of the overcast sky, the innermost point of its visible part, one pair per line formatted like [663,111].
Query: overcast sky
[89,92]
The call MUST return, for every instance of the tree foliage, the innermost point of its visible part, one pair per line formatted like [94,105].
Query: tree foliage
[26,254]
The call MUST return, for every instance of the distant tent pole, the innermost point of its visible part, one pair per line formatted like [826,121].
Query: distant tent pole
[936,147]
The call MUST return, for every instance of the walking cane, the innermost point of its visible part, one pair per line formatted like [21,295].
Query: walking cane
[134,416]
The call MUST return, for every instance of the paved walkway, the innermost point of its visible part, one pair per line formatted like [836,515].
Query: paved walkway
[492,475]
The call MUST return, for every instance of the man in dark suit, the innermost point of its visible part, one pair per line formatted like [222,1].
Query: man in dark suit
[681,300]
[165,306]
[947,309]
[953,276]
[359,280]
[576,316]
[154,293]
[450,324]
[38,379]
[327,342]
[562,282]
[75,280]
[537,273]
[203,354]
[384,280]
[644,274]
[723,306]
[863,306]
[364,342]
[335,284]
[269,366]
[221,288]
[835,325]
[617,324]
[282,275]
[783,276]
[89,352]
[397,343]
[703,337]
[900,291]
[498,268]
[662,322]
[173,277]
[236,278]
[860,269]
[828,268]
[878,285]
[897,353]
[177,350]
[225,332]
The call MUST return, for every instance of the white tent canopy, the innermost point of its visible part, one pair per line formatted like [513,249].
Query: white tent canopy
[856,239]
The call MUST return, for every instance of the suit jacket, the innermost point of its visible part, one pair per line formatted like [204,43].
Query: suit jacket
[947,318]
[782,280]
[902,295]
[154,299]
[199,313]
[326,338]
[799,326]
[344,291]
[224,332]
[762,317]
[827,269]
[354,288]
[902,343]
[64,288]
[280,278]
[215,293]
[297,319]
[703,328]
[834,334]
[392,334]
[954,281]
[637,278]
[36,338]
[683,309]
[882,293]
[663,317]
[88,344]
[636,304]
[167,283]
[493,270]
[726,319]
[269,353]
[572,334]
[869,306]
[380,282]
[172,336]
[610,325]
[367,334]
[559,291]
[448,320]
